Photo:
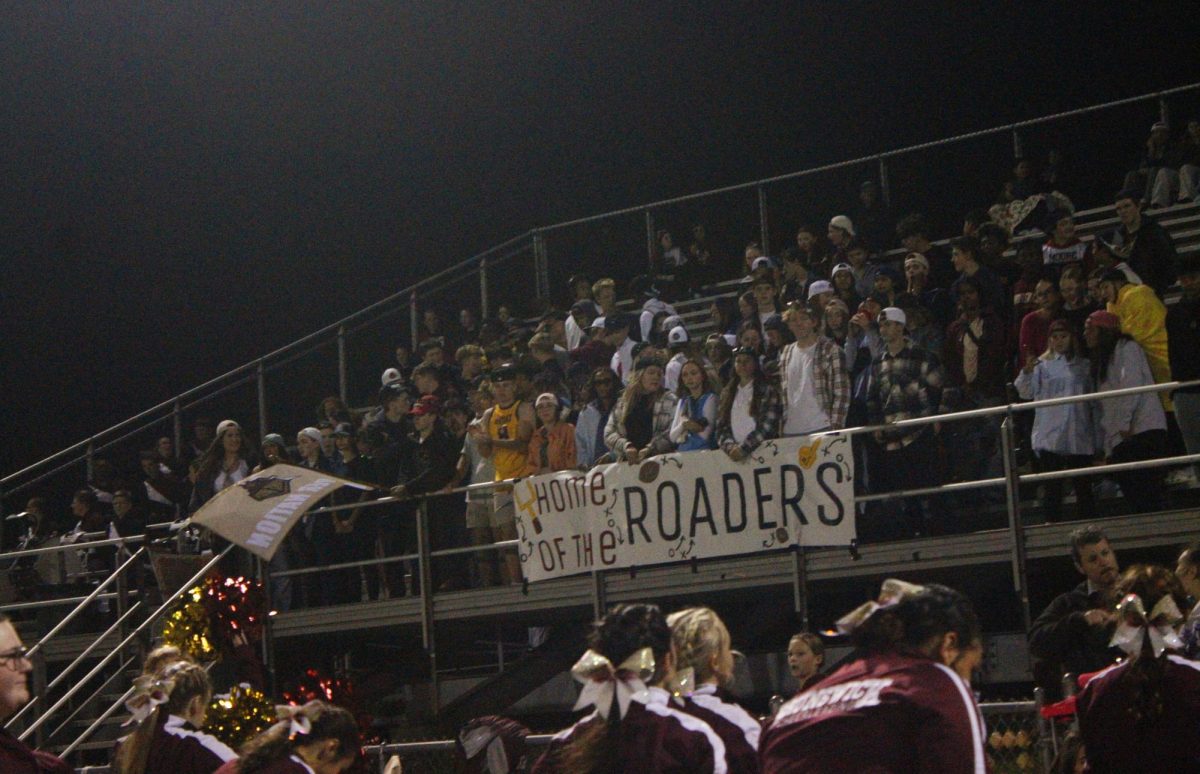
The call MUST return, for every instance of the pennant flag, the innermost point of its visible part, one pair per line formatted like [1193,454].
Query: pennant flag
[259,511]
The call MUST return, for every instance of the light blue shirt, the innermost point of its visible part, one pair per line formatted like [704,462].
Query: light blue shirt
[1065,429]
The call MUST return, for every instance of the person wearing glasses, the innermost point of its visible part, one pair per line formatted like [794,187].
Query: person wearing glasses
[15,756]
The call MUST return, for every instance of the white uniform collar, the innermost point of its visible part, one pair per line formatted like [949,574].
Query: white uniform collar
[307,768]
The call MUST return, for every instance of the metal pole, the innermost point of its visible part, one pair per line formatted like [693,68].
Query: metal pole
[764,233]
[800,586]
[424,567]
[1012,491]
[343,389]
[598,604]
[885,185]
[262,400]
[268,640]
[540,266]
[90,459]
[1018,146]
[413,320]
[483,289]
[1164,110]
[649,238]
[122,590]
[177,428]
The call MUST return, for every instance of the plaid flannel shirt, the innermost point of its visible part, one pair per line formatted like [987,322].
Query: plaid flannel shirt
[660,441]
[766,423]
[831,382]
[904,386]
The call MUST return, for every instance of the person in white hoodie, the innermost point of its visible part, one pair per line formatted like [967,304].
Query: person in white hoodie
[1131,427]
[1064,436]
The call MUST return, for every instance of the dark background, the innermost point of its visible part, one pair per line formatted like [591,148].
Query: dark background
[185,186]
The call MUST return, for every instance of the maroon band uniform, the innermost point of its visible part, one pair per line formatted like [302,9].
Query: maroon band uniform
[654,738]
[737,728]
[884,713]
[1115,744]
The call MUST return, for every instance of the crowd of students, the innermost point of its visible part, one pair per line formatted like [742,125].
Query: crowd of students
[832,334]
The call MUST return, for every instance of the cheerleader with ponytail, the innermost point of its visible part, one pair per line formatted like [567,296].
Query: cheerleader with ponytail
[1141,714]
[168,707]
[633,727]
[316,738]
[704,663]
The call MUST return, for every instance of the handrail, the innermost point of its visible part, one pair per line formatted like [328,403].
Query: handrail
[83,605]
[151,619]
[120,702]
[406,292]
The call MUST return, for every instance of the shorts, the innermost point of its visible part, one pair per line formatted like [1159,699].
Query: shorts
[479,514]
[504,512]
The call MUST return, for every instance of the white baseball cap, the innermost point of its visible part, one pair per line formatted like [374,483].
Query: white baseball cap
[893,314]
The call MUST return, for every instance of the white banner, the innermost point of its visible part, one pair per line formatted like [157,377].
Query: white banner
[259,511]
[671,508]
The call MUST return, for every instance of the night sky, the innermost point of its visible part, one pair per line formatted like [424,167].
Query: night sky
[184,186]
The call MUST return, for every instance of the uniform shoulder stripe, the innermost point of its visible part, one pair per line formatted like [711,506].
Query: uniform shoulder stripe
[750,727]
[697,725]
[972,712]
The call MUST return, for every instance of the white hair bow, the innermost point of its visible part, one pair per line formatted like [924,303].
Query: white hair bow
[149,692]
[298,722]
[601,681]
[891,593]
[486,737]
[1135,625]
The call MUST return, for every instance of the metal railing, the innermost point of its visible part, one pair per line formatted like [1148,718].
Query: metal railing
[116,652]
[533,243]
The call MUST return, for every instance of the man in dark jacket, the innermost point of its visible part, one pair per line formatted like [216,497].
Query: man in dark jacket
[1072,633]
[1183,334]
[434,464]
[1145,245]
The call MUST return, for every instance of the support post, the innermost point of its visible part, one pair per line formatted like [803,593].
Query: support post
[483,289]
[540,266]
[649,239]
[343,386]
[425,569]
[177,421]
[262,399]
[177,428]
[598,602]
[90,458]
[413,320]
[263,571]
[1164,110]
[1012,492]
[800,586]
[1018,146]
[885,184]
[122,590]
[764,232]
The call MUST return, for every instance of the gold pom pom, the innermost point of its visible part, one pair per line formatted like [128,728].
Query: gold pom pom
[238,716]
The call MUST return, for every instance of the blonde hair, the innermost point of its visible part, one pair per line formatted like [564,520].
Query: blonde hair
[700,640]
[188,681]
[601,284]
[162,656]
